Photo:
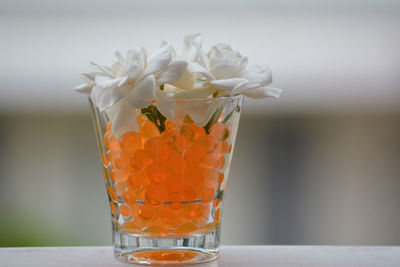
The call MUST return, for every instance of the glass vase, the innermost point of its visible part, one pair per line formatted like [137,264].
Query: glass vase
[166,180]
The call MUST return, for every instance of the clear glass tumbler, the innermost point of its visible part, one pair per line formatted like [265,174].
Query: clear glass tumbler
[166,181]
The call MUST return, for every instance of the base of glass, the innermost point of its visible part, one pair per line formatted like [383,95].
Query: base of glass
[170,250]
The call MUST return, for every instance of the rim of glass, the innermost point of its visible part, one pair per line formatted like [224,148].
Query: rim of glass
[191,100]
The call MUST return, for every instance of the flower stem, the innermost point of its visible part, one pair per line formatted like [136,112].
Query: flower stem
[155,116]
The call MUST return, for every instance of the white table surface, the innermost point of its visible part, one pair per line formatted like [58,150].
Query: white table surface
[232,256]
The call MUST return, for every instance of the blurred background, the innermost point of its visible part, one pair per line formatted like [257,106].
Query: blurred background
[319,166]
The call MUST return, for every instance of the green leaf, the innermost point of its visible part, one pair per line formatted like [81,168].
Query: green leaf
[155,116]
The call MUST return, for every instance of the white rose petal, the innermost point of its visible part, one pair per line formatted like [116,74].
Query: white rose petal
[143,93]
[258,76]
[84,88]
[123,118]
[104,98]
[263,92]
[228,84]
[174,71]
[166,105]
[157,61]
[196,93]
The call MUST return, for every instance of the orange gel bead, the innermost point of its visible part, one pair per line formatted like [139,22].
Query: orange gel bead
[170,217]
[186,228]
[155,194]
[121,159]
[137,180]
[212,177]
[120,175]
[219,131]
[130,141]
[149,130]
[105,160]
[124,210]
[175,164]
[190,194]
[146,213]
[132,228]
[174,184]
[217,215]
[157,149]
[194,154]
[181,143]
[155,229]
[128,197]
[208,194]
[221,178]
[111,142]
[193,176]
[176,199]
[230,148]
[157,172]
[208,143]
[111,194]
[209,161]
[140,160]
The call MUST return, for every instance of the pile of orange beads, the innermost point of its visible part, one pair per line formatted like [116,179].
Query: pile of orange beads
[169,182]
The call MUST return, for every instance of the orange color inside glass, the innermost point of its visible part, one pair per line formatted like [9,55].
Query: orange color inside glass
[166,183]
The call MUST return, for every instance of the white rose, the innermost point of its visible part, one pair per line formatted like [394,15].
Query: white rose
[130,84]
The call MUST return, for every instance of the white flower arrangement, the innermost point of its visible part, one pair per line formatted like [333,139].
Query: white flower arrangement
[137,81]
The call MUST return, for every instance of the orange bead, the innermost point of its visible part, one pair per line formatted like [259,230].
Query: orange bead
[140,160]
[174,184]
[105,160]
[190,194]
[175,164]
[157,149]
[222,148]
[111,194]
[128,197]
[141,119]
[212,177]
[221,178]
[192,131]
[149,130]
[130,141]
[208,143]
[170,126]
[124,210]
[111,142]
[194,176]
[217,215]
[170,217]
[155,194]
[131,228]
[181,143]
[113,208]
[219,131]
[157,172]
[186,228]
[122,160]
[209,161]
[216,202]
[194,154]
[146,213]
[176,200]
[121,175]
[136,180]
[208,194]
[230,148]
[157,230]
